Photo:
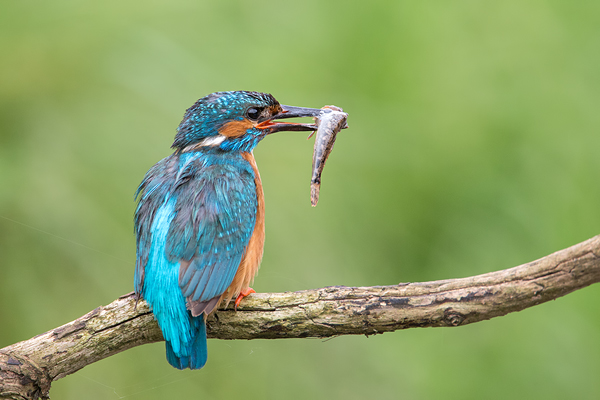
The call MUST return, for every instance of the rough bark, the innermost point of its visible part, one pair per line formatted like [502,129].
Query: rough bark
[28,368]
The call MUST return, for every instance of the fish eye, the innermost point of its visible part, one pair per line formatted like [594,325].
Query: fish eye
[253,113]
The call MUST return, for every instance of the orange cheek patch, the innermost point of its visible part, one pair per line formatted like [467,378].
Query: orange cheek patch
[235,128]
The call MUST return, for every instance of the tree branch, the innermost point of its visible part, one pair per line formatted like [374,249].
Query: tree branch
[28,368]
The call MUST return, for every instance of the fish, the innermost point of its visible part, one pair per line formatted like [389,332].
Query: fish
[329,122]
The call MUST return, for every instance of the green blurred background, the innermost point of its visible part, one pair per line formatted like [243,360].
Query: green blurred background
[473,147]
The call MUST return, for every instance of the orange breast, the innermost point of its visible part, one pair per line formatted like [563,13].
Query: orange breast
[254,252]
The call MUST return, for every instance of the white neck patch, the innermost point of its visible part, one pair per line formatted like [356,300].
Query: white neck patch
[212,141]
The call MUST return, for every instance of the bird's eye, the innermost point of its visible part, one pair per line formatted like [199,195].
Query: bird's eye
[253,113]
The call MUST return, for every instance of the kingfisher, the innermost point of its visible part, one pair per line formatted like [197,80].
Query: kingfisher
[200,217]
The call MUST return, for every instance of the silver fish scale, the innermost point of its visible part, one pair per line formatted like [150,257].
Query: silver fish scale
[331,120]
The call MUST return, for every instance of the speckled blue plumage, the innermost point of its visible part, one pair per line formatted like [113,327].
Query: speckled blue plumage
[207,115]
[195,216]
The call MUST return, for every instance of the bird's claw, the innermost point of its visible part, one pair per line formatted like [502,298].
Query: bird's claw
[241,296]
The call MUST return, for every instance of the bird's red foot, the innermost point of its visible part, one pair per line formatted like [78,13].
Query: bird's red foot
[241,296]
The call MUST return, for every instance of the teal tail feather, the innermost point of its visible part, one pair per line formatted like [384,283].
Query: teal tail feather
[197,351]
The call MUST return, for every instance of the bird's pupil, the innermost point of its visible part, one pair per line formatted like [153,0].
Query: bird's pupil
[253,113]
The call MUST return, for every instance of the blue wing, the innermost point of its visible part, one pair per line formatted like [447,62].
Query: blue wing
[212,221]
[215,218]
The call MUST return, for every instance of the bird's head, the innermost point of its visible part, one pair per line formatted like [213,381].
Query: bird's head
[236,121]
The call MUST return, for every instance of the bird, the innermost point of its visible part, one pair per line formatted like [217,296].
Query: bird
[200,216]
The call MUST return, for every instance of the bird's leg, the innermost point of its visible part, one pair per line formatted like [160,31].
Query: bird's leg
[243,293]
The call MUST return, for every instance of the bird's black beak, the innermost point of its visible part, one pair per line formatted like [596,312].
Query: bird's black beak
[291,112]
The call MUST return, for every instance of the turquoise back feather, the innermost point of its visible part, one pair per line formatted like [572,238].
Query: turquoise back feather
[193,227]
